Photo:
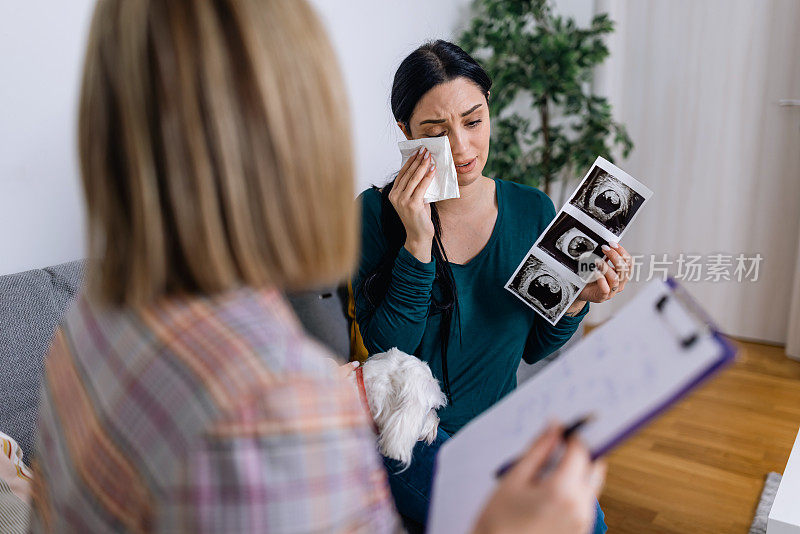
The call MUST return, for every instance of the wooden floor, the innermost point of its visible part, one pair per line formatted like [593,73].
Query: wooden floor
[700,468]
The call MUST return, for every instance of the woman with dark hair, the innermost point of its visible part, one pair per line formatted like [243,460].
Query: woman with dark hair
[430,280]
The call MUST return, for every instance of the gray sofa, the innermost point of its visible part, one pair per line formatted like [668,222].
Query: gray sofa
[32,304]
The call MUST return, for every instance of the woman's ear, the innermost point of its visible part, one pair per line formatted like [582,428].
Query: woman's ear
[404,130]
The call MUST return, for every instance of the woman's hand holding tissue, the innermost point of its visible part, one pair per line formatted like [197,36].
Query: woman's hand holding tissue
[407,197]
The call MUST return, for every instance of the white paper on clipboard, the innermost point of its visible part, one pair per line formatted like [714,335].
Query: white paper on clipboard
[656,349]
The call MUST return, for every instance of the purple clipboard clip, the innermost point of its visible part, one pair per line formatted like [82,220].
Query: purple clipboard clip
[704,326]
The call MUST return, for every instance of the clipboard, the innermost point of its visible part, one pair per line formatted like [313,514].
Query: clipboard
[654,351]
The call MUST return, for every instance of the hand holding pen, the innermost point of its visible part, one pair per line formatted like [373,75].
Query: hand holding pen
[555,458]
[533,497]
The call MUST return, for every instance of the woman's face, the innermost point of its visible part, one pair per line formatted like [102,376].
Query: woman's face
[457,109]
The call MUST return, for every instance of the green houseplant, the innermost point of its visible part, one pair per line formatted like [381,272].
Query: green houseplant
[546,122]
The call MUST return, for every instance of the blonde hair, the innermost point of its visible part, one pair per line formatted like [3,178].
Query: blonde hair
[214,149]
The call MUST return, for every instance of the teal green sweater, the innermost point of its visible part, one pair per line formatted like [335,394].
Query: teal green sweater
[497,329]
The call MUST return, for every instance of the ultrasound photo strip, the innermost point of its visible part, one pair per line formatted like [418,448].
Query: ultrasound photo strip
[599,211]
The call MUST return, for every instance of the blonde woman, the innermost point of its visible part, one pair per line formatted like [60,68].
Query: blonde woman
[180,392]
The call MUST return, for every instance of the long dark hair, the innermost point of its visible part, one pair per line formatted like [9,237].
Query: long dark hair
[426,67]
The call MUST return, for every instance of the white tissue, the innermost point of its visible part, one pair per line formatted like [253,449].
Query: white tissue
[445,181]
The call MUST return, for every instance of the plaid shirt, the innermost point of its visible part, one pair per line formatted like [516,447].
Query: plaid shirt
[202,415]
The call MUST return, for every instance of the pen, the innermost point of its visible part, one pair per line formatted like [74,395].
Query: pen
[555,457]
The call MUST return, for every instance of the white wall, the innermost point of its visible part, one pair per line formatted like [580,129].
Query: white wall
[40,203]
[42,42]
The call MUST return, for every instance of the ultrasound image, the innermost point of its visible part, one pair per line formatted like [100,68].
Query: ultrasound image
[568,239]
[543,288]
[608,201]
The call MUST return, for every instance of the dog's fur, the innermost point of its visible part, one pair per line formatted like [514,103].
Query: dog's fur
[403,397]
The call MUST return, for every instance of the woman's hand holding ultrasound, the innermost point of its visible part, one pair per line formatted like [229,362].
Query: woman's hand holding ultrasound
[614,272]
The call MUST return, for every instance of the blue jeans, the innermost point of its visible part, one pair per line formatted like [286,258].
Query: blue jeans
[411,489]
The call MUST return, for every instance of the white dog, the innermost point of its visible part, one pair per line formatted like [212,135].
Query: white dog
[403,397]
